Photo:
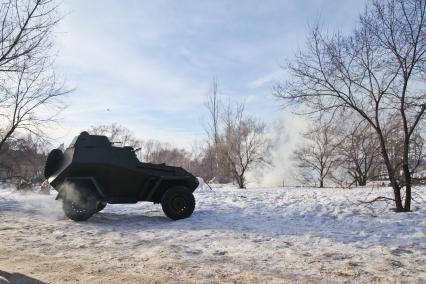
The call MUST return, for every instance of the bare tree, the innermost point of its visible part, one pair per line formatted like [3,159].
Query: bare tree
[29,152]
[394,136]
[318,157]
[151,151]
[245,145]
[25,32]
[213,107]
[359,151]
[418,154]
[213,155]
[379,72]
[29,89]
[116,133]
[235,142]
[31,100]
[171,156]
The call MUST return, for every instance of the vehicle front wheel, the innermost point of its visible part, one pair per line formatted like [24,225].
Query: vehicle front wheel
[178,203]
[79,209]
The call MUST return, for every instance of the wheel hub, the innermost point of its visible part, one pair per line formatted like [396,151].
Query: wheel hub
[179,203]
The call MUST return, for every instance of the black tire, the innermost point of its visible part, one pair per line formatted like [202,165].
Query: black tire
[178,203]
[81,207]
[101,206]
[52,162]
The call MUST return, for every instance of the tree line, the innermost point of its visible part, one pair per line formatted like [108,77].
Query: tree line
[377,73]
[349,154]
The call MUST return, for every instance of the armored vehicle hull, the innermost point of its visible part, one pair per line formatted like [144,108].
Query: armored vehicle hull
[92,172]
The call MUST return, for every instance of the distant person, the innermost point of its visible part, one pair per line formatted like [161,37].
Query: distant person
[24,186]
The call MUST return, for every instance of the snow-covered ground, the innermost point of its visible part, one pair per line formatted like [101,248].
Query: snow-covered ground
[268,235]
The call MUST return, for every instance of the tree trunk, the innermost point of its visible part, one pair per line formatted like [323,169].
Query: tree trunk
[241,182]
[391,173]
[362,179]
[321,183]
[6,136]
[408,181]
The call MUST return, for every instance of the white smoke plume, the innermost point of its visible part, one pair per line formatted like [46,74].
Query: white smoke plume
[43,206]
[285,136]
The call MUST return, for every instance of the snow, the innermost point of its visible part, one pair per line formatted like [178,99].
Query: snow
[270,235]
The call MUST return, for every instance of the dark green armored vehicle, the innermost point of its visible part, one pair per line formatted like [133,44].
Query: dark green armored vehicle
[92,172]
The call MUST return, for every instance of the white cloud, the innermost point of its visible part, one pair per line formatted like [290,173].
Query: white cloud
[151,62]
[110,75]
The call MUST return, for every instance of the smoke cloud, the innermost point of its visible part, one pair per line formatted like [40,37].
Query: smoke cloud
[44,206]
[285,136]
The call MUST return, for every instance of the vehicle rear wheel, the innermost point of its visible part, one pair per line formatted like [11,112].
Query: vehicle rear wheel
[101,206]
[81,207]
[52,162]
[178,203]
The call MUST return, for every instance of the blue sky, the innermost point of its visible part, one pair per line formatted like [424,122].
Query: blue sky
[148,65]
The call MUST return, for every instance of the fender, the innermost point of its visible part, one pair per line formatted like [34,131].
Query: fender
[83,183]
[161,185]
